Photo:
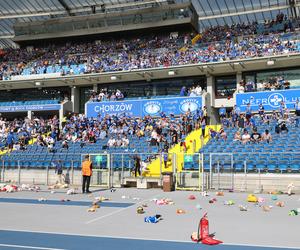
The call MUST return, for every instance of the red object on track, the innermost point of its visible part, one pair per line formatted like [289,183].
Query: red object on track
[211,241]
[203,233]
[204,227]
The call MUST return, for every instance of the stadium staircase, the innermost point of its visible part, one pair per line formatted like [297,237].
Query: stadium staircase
[193,144]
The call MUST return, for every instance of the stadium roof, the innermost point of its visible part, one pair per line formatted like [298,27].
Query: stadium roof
[211,12]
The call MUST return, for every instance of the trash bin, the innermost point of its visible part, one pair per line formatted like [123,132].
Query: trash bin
[168,184]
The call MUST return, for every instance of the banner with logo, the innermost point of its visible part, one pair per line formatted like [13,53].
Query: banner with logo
[143,107]
[25,108]
[270,100]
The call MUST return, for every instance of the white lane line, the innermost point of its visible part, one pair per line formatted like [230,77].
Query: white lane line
[28,247]
[119,210]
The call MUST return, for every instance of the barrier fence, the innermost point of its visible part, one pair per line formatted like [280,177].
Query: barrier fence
[215,171]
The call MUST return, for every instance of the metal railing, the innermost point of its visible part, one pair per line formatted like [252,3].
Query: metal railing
[231,171]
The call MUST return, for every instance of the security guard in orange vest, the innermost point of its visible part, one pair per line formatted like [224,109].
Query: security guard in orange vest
[86,174]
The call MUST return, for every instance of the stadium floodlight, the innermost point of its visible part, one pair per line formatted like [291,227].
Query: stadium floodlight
[270,62]
[171,73]
[113,78]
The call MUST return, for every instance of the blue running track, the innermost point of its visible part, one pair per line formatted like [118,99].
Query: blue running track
[45,241]
[65,203]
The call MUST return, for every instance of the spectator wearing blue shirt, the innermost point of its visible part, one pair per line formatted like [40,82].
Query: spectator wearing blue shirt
[10,141]
[261,110]
[222,112]
[282,108]
[183,91]
[59,171]
[248,111]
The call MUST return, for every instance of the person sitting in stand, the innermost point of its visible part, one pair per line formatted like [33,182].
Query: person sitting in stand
[213,134]
[245,137]
[223,134]
[261,110]
[237,136]
[255,136]
[266,136]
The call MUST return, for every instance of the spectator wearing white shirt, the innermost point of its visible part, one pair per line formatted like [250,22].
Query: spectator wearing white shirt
[111,142]
[245,137]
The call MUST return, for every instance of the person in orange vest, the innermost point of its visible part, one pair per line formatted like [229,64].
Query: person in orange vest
[86,174]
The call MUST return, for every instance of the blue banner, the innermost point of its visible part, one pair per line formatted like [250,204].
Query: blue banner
[143,107]
[270,100]
[24,108]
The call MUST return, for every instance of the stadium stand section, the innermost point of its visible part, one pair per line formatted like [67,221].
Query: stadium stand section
[255,62]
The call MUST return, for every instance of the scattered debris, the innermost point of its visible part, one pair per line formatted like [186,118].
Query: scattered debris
[252,198]
[198,206]
[8,188]
[140,210]
[212,200]
[280,204]
[153,219]
[203,233]
[100,198]
[243,208]
[290,188]
[274,198]
[293,212]
[71,191]
[192,197]
[164,202]
[180,211]
[64,200]
[96,204]
[92,209]
[229,203]
[266,208]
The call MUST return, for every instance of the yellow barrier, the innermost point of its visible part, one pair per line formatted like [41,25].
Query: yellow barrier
[33,140]
[193,143]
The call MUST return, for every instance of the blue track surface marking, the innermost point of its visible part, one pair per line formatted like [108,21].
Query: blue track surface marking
[66,203]
[13,239]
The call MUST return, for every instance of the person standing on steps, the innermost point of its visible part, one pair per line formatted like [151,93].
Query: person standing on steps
[86,174]
[137,165]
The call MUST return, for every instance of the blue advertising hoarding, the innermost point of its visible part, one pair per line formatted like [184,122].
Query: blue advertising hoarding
[270,100]
[25,108]
[143,107]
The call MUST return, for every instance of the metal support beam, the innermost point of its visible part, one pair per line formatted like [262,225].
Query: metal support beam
[66,7]
[245,12]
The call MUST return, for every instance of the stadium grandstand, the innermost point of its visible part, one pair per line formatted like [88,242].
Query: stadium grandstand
[200,95]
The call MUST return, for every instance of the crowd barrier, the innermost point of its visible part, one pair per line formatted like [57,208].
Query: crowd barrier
[223,172]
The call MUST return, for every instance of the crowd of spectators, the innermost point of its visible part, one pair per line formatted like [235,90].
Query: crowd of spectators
[145,52]
[17,134]
[271,84]
[105,95]
[117,131]
[226,32]
[247,123]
